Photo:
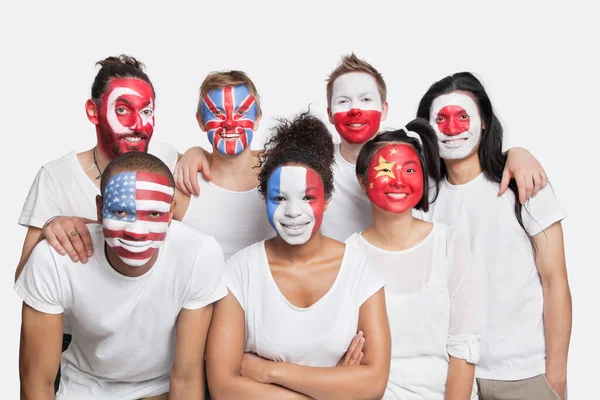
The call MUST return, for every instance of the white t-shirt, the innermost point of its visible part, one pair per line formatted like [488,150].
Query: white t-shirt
[349,210]
[62,188]
[123,328]
[513,343]
[315,336]
[235,219]
[433,305]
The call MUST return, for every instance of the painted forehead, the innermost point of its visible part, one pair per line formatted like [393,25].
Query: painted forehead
[294,178]
[453,99]
[127,188]
[355,83]
[129,86]
[237,95]
[396,152]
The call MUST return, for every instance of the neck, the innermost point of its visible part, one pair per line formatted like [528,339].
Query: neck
[349,151]
[234,172]
[102,158]
[463,170]
[127,270]
[297,254]
[392,231]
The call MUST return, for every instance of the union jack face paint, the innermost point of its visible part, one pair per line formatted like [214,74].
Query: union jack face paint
[136,215]
[356,107]
[295,203]
[456,121]
[229,115]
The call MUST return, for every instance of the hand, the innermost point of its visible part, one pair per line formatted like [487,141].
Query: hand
[194,160]
[527,172]
[69,235]
[354,354]
[558,383]
[255,368]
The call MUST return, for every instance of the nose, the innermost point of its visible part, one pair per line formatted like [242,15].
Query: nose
[398,181]
[454,128]
[292,209]
[355,112]
[139,124]
[137,231]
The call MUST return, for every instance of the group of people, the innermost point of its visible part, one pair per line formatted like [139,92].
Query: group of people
[417,263]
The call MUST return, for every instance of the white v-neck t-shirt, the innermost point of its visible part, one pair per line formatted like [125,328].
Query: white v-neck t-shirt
[315,336]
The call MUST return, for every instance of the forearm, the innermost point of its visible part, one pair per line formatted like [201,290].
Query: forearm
[460,379]
[353,382]
[557,326]
[186,388]
[240,387]
[35,388]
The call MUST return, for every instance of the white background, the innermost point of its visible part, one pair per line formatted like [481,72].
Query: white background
[536,60]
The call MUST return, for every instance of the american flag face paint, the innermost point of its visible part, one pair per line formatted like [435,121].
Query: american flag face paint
[395,178]
[356,107]
[295,203]
[456,121]
[229,115]
[136,214]
[126,120]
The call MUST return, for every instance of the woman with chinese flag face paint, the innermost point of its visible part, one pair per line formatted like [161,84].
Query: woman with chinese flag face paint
[300,305]
[431,296]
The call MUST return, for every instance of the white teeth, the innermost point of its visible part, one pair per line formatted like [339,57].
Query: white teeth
[397,195]
[230,135]
[454,142]
[133,139]
[356,125]
[294,227]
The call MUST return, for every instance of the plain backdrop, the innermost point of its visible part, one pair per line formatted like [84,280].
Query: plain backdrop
[537,60]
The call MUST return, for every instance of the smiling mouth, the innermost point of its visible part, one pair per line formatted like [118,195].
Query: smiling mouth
[134,139]
[294,227]
[230,135]
[454,142]
[356,125]
[397,195]
[139,244]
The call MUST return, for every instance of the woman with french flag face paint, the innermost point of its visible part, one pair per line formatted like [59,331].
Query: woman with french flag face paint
[295,203]
[229,116]
[136,213]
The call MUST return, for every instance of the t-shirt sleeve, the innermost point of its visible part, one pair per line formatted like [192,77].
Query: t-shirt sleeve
[236,275]
[167,153]
[42,201]
[542,210]
[369,278]
[207,284]
[39,284]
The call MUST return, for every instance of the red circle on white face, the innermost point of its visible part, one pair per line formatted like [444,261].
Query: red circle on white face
[453,120]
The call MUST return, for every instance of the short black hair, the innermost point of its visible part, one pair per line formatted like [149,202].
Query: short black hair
[135,161]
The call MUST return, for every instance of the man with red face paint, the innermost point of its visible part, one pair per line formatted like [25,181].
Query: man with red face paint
[121,108]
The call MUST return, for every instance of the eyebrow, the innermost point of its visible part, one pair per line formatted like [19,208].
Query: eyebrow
[410,162]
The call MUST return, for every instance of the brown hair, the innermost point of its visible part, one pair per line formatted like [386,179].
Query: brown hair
[123,66]
[351,63]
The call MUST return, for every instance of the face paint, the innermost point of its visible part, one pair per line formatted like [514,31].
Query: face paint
[356,107]
[395,178]
[135,215]
[229,115]
[126,120]
[457,124]
[295,203]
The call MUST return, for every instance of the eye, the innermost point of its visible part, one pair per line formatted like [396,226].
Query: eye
[241,112]
[155,214]
[464,117]
[386,170]
[411,170]
[122,111]
[367,99]
[148,112]
[308,198]
[278,199]
[440,119]
[217,112]
[120,213]
[342,101]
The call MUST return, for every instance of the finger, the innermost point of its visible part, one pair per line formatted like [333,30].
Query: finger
[186,181]
[179,181]
[360,358]
[86,239]
[352,352]
[194,182]
[357,352]
[544,178]
[66,244]
[521,188]
[537,184]
[504,182]
[529,185]
[54,243]
[206,170]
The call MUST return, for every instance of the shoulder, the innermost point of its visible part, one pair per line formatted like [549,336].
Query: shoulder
[353,240]
[166,152]
[59,166]
[183,237]
[246,256]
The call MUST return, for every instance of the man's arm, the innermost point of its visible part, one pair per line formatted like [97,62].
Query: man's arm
[460,379]
[527,172]
[551,264]
[39,355]
[33,237]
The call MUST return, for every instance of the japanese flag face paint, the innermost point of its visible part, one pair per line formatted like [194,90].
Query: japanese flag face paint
[136,214]
[126,120]
[295,203]
[229,115]
[457,123]
[356,107]
[395,178]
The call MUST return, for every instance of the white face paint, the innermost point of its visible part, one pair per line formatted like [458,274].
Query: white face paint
[457,124]
[355,90]
[111,113]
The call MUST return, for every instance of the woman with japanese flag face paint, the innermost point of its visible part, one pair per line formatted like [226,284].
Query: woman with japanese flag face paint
[300,305]
[518,246]
[432,298]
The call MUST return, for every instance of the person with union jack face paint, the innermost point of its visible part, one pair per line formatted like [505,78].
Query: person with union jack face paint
[139,310]
[274,336]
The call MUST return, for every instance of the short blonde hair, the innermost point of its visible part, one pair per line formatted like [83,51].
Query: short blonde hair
[351,63]
[221,79]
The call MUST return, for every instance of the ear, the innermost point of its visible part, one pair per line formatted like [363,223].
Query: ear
[257,123]
[482,125]
[172,210]
[330,115]
[361,182]
[99,204]
[384,111]
[200,121]
[326,205]
[92,111]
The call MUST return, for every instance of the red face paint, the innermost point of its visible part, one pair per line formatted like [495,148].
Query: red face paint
[126,119]
[357,126]
[316,194]
[395,178]
[453,120]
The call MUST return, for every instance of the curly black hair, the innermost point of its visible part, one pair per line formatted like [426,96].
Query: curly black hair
[305,140]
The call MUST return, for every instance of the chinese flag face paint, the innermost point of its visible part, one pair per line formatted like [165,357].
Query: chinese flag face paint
[126,119]
[456,121]
[295,203]
[395,178]
[136,214]
[356,107]
[229,115]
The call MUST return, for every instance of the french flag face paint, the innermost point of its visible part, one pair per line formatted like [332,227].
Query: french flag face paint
[229,115]
[136,214]
[356,107]
[456,121]
[295,203]
[126,120]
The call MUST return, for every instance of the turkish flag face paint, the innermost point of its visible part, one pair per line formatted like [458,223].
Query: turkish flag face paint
[395,178]
[457,124]
[126,120]
[295,203]
[229,115]
[356,107]
[135,215]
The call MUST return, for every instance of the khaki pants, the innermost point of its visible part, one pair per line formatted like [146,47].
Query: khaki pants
[536,388]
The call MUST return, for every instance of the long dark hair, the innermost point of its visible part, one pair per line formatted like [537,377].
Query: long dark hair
[427,149]
[491,158]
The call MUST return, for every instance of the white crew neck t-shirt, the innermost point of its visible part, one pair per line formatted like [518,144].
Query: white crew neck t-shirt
[315,336]
[433,305]
[513,342]
[123,327]
[235,219]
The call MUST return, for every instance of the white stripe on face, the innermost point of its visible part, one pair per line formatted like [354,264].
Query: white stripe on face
[355,90]
[111,114]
